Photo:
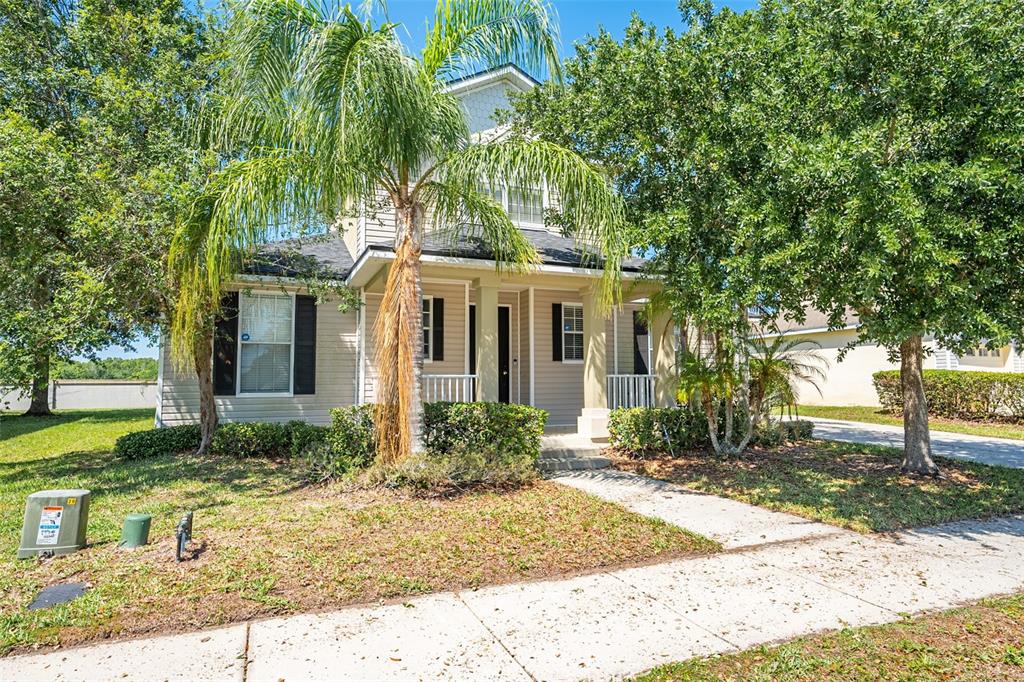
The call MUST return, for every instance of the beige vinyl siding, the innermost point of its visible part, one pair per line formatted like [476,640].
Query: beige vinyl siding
[335,381]
[378,221]
[454,362]
[370,376]
[559,385]
[455,341]
[625,342]
[523,320]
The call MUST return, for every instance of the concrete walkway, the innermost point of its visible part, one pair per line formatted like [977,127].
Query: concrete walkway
[998,451]
[779,577]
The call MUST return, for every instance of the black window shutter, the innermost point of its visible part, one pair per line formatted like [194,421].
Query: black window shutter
[437,321]
[225,346]
[639,329]
[556,332]
[472,339]
[304,371]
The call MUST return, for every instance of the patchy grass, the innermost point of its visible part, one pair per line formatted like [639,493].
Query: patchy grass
[854,486]
[875,415]
[265,543]
[984,641]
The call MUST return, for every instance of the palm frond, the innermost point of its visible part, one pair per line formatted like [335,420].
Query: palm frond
[458,213]
[469,34]
[589,203]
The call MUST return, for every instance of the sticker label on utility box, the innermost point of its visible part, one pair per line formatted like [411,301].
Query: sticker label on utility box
[49,526]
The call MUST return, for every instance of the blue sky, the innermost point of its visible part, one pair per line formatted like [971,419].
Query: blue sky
[577,19]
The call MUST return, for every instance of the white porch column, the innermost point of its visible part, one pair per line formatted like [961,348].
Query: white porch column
[663,364]
[486,340]
[593,422]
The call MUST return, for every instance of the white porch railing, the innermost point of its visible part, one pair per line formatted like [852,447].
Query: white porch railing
[454,388]
[630,390]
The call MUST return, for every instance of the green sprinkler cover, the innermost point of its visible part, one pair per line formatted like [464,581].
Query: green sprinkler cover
[136,530]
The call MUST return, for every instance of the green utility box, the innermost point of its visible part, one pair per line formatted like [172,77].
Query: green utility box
[55,522]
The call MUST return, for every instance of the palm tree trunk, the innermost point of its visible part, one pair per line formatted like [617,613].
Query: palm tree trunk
[399,339]
[917,447]
[203,357]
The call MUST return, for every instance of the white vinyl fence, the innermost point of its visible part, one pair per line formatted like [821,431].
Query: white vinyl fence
[87,394]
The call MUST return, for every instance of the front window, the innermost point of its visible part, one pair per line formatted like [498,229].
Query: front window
[427,320]
[265,343]
[572,332]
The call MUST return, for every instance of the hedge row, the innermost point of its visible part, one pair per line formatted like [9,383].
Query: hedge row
[653,431]
[959,395]
[465,442]
[239,439]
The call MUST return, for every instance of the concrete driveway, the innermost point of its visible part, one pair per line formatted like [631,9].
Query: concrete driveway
[997,451]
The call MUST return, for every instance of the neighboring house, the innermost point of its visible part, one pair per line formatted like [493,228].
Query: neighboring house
[535,338]
[849,381]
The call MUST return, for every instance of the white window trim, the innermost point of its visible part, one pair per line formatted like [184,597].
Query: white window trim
[290,393]
[506,204]
[561,326]
[428,357]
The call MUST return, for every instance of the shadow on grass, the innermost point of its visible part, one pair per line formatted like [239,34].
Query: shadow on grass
[854,486]
[105,475]
[14,424]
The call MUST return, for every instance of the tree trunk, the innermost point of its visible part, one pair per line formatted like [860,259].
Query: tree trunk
[40,405]
[917,447]
[398,334]
[203,357]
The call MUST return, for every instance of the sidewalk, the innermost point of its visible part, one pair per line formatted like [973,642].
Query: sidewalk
[997,451]
[780,576]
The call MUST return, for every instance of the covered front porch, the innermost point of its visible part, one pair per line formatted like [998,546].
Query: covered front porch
[538,338]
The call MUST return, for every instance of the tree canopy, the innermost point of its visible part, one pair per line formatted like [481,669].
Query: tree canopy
[858,156]
[95,100]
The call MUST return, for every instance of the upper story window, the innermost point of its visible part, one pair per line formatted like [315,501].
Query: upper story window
[572,331]
[982,352]
[265,334]
[525,206]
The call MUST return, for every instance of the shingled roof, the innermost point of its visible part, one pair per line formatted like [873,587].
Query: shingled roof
[330,256]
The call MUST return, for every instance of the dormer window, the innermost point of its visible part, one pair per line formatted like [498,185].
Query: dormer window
[525,206]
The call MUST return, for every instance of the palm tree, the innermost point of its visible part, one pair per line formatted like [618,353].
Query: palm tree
[777,368]
[324,112]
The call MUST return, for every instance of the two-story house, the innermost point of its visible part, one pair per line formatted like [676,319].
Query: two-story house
[536,338]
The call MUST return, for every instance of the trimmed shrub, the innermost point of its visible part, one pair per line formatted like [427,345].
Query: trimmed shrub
[304,435]
[774,433]
[465,444]
[155,442]
[959,394]
[346,445]
[474,443]
[797,430]
[651,431]
[251,439]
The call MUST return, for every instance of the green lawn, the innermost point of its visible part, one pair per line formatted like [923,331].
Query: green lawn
[266,543]
[874,415]
[854,486]
[984,641]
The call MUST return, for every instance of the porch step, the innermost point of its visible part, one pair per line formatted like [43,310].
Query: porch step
[570,452]
[549,464]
